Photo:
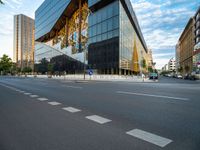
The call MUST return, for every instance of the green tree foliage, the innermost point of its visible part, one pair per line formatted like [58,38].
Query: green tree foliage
[143,62]
[27,70]
[1,2]
[42,67]
[180,69]
[150,69]
[13,69]
[50,68]
[5,64]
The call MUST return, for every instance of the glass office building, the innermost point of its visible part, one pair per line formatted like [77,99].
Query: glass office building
[102,34]
[23,44]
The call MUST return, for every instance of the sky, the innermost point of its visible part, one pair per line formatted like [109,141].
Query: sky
[161,22]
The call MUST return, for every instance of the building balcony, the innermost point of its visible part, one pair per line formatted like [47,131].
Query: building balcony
[197,35]
[197,17]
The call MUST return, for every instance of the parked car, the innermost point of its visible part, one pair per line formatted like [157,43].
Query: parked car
[179,76]
[186,77]
[153,76]
[169,75]
[192,77]
[189,77]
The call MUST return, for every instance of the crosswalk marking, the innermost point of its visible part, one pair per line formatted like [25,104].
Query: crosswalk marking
[98,119]
[42,99]
[54,103]
[71,109]
[34,96]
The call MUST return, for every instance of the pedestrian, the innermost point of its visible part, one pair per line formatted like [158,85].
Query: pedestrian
[143,76]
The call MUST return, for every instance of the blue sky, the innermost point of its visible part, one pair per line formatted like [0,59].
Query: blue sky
[161,21]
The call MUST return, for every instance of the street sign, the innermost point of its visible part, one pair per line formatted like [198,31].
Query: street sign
[90,72]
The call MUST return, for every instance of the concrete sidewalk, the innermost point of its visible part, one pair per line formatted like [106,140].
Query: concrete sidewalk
[80,78]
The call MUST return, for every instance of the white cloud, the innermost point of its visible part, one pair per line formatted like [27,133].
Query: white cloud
[158,55]
[160,62]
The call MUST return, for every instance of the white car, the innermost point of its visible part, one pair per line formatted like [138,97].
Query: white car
[179,76]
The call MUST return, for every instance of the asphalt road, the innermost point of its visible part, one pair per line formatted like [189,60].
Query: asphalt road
[46,114]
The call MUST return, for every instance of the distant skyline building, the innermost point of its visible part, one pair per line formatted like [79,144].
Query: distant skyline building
[23,54]
[150,58]
[165,67]
[172,65]
[102,35]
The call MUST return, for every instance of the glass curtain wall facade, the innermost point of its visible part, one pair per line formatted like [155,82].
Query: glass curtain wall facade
[103,51]
[47,15]
[98,33]
[66,32]
[129,37]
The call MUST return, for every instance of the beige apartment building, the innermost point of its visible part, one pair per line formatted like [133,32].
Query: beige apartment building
[186,45]
[23,47]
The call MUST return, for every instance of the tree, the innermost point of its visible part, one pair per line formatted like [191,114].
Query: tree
[187,68]
[27,70]
[5,64]
[1,2]
[50,68]
[42,67]
[150,69]
[180,69]
[143,62]
[13,69]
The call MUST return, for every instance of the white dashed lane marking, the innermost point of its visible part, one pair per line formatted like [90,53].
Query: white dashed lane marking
[71,109]
[21,91]
[149,137]
[98,119]
[54,103]
[34,96]
[27,93]
[74,87]
[42,99]
[151,95]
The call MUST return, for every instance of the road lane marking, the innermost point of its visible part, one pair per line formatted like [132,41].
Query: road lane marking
[54,103]
[27,93]
[34,96]
[75,87]
[98,119]
[71,109]
[42,99]
[151,95]
[149,137]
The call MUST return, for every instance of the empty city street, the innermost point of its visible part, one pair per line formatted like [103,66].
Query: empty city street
[48,114]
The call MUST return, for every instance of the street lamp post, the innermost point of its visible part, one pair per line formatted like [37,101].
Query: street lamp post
[84,63]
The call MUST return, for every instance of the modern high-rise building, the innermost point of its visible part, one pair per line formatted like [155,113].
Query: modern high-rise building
[186,43]
[23,41]
[104,35]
